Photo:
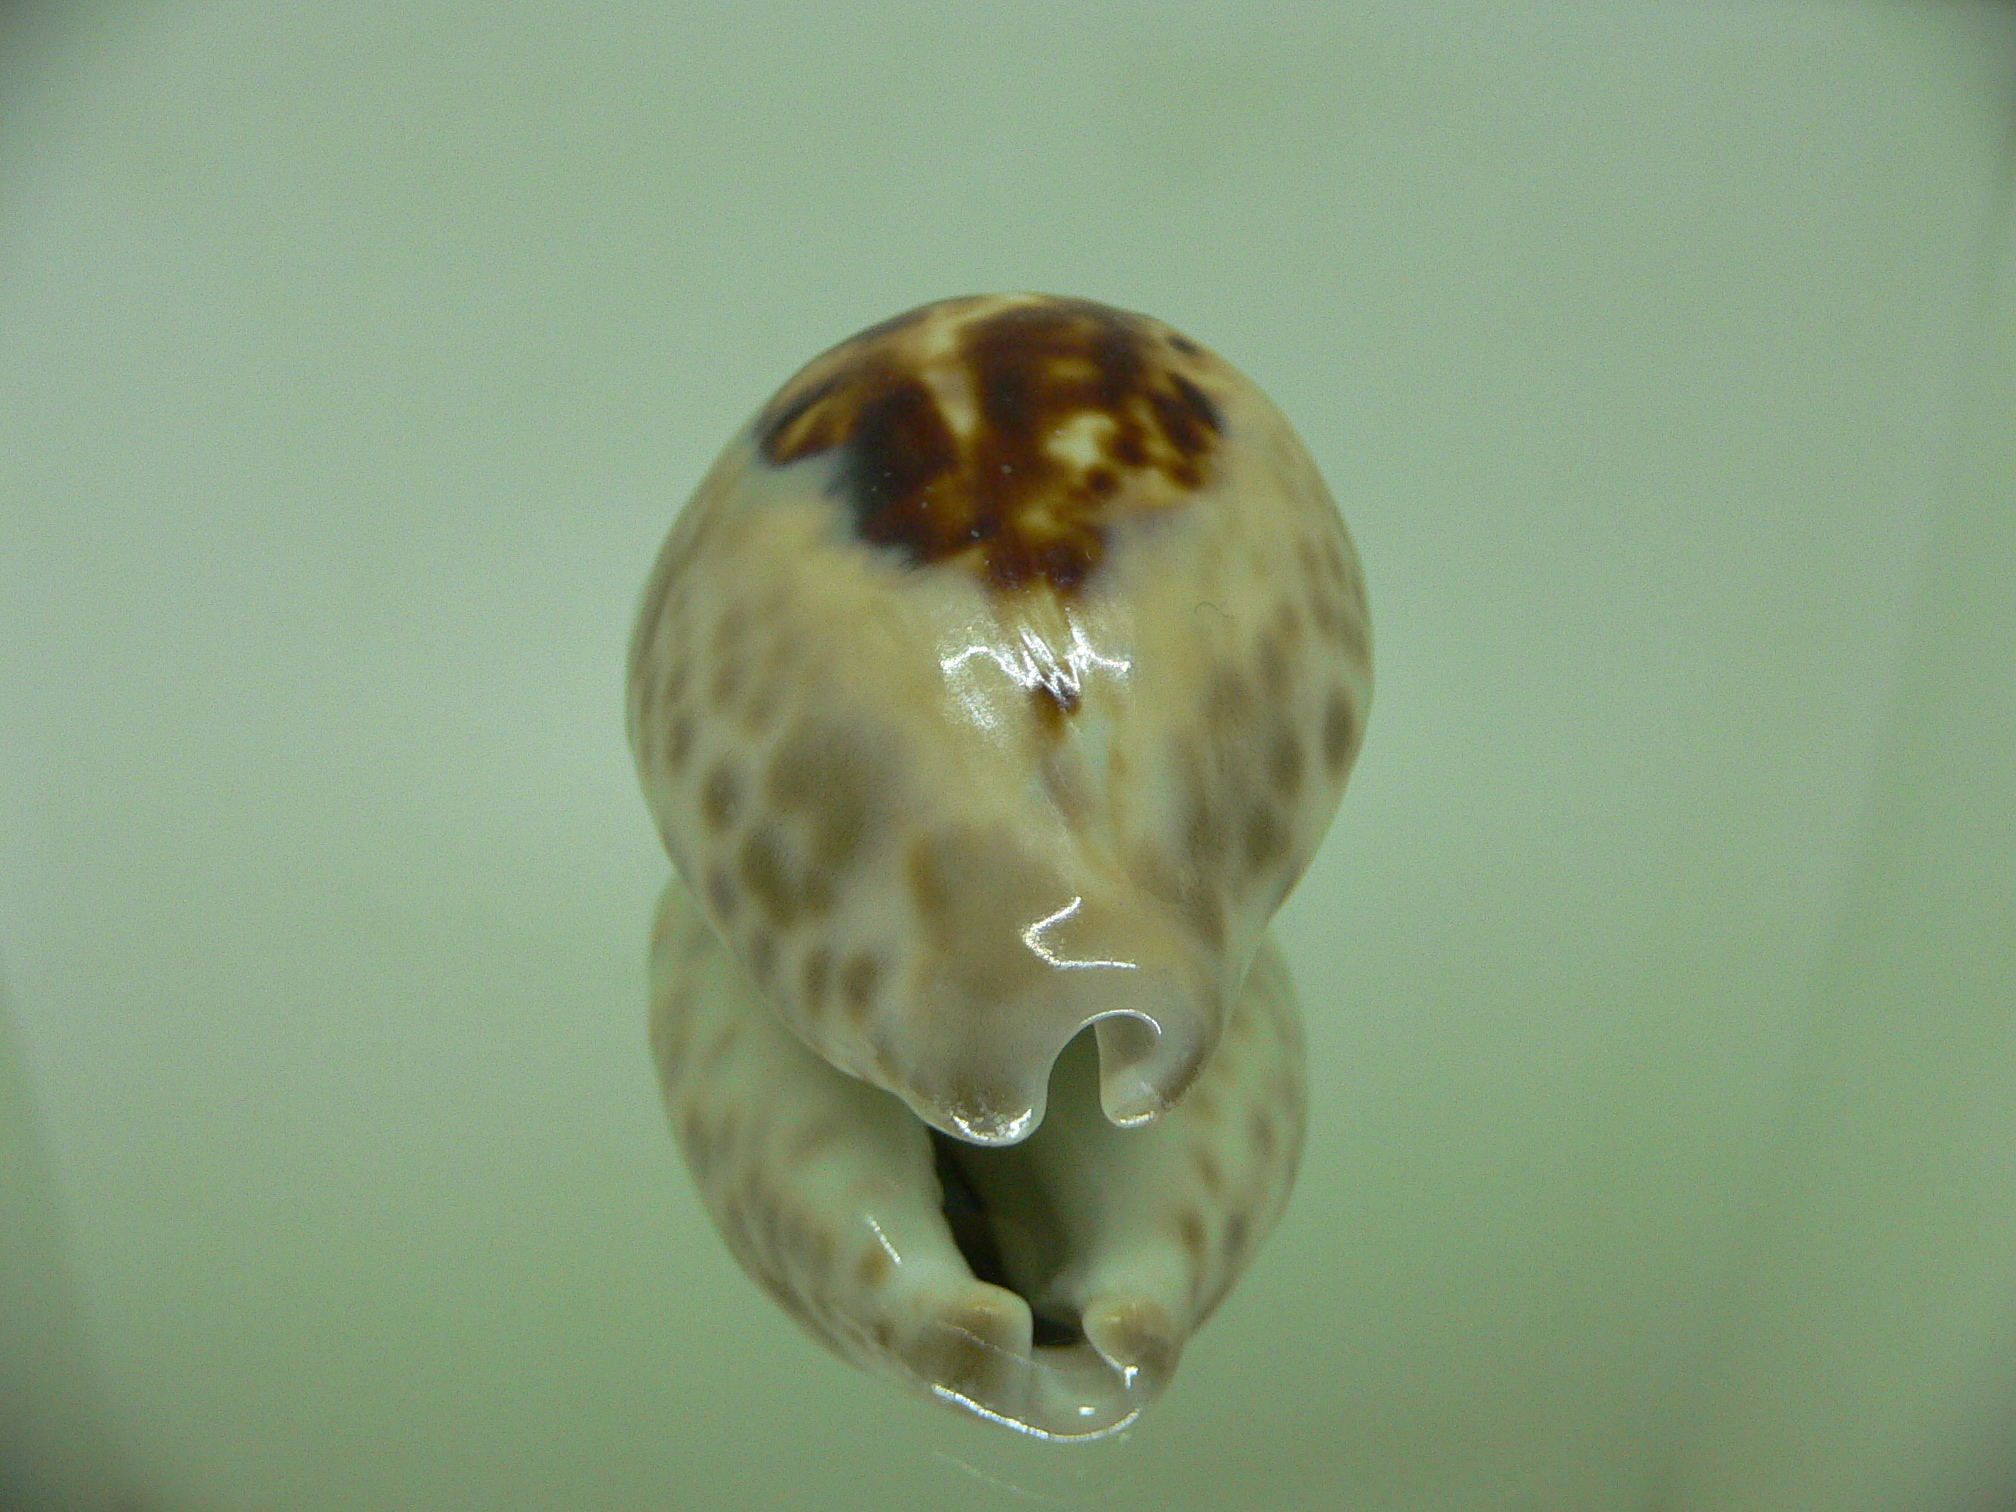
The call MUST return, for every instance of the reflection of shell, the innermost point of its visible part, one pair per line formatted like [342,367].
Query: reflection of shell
[997,683]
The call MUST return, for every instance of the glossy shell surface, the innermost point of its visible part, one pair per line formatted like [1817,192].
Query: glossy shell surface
[996,685]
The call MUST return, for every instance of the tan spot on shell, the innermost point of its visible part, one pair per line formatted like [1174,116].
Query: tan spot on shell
[728,632]
[765,873]
[1276,671]
[1338,732]
[1190,1228]
[1203,833]
[1186,889]
[729,673]
[934,888]
[858,980]
[1228,703]
[1288,624]
[1327,612]
[873,1269]
[1266,837]
[1261,1130]
[832,781]
[1284,762]
[679,741]
[720,796]
[1205,910]
[1307,553]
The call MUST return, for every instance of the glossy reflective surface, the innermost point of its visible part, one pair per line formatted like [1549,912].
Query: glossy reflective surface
[991,693]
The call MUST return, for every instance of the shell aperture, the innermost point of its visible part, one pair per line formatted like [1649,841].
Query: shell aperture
[996,685]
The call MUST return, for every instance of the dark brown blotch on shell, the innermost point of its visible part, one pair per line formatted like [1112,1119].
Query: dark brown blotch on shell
[997,497]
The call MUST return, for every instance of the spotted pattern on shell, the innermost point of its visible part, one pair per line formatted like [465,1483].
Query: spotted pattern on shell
[1102,1251]
[995,686]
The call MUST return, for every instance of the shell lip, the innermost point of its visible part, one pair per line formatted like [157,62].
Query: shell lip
[1145,1067]
[1082,1392]
[1057,1435]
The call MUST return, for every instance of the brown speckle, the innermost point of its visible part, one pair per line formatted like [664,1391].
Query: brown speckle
[1261,1129]
[858,980]
[679,741]
[873,1269]
[720,796]
[765,874]
[832,778]
[1266,837]
[1205,910]
[1190,1228]
[1229,702]
[997,495]
[1276,673]
[1311,560]
[933,882]
[1328,613]
[726,641]
[675,685]
[1203,834]
[727,684]
[1284,763]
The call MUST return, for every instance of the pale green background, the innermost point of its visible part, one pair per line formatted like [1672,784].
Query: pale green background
[354,359]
